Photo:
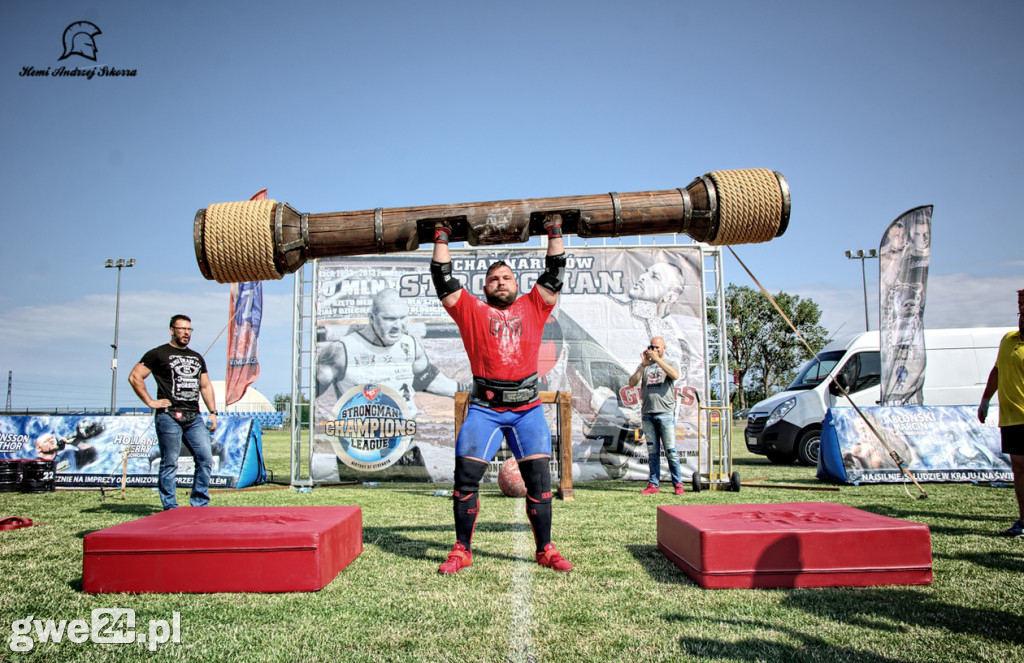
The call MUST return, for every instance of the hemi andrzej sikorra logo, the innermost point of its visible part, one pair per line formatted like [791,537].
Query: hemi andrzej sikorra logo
[78,42]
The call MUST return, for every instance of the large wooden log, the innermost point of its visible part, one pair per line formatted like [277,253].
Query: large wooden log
[259,240]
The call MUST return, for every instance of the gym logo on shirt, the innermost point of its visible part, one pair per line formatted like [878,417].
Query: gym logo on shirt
[185,371]
[512,328]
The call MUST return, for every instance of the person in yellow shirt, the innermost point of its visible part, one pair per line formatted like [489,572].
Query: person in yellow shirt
[1007,377]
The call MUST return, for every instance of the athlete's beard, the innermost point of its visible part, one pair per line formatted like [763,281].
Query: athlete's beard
[501,300]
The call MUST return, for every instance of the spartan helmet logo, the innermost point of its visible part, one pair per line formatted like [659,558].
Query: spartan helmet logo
[78,40]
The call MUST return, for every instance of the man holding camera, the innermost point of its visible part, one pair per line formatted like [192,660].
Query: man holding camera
[657,377]
[181,378]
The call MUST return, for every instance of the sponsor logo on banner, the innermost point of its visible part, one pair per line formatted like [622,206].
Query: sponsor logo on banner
[371,428]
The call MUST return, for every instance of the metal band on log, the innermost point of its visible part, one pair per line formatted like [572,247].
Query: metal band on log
[261,240]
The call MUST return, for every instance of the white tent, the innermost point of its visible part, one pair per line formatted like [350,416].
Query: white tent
[252,401]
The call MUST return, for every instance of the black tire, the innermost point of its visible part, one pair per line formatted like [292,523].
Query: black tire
[780,459]
[696,482]
[808,447]
[734,482]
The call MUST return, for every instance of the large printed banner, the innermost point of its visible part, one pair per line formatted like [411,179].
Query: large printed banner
[903,281]
[389,359]
[90,451]
[936,443]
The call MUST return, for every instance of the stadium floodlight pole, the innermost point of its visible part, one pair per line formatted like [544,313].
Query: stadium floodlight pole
[119,263]
[860,255]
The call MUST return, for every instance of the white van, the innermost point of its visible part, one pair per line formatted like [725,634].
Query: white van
[787,426]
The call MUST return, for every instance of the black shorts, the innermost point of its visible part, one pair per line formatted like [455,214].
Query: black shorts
[1013,439]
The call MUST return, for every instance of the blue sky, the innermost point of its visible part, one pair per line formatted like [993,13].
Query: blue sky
[868,109]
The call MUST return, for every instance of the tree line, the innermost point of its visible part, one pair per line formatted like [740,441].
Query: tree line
[764,352]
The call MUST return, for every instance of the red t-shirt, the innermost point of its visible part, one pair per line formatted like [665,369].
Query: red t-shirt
[502,344]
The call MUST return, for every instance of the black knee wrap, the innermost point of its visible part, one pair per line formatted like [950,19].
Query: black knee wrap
[465,501]
[468,474]
[536,475]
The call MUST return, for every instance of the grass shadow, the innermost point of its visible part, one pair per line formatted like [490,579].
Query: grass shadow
[658,567]
[807,648]
[397,540]
[929,518]
[123,508]
[880,607]
[997,561]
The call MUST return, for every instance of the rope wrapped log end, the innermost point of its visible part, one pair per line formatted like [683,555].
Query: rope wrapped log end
[244,241]
[753,205]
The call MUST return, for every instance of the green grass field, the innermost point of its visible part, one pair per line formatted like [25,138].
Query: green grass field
[624,601]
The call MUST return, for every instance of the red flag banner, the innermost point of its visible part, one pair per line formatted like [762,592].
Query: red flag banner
[903,279]
[245,311]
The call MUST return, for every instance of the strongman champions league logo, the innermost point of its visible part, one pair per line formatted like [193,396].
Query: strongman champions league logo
[371,428]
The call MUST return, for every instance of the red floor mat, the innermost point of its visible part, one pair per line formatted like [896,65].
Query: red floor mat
[803,544]
[224,549]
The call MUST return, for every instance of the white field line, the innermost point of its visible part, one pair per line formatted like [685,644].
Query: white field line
[520,638]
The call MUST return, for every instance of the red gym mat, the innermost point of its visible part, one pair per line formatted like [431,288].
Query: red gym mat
[801,544]
[224,549]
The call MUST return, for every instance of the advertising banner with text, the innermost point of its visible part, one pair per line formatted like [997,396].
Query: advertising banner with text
[389,359]
[936,443]
[91,450]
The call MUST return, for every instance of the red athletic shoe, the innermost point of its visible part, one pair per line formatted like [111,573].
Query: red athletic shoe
[551,559]
[679,488]
[458,559]
[650,489]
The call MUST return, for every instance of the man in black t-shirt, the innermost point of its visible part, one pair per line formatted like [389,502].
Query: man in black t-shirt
[181,379]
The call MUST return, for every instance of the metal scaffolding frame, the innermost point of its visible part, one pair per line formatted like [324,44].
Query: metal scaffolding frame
[300,418]
[716,377]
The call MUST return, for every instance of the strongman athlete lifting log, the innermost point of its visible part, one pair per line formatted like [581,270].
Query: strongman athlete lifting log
[502,336]
[263,239]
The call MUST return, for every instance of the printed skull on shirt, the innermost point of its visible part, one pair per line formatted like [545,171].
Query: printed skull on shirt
[177,373]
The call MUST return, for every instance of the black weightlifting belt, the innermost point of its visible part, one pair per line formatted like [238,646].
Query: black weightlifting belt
[503,393]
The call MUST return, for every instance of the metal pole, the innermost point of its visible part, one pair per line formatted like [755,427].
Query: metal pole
[113,364]
[121,262]
[862,256]
[864,280]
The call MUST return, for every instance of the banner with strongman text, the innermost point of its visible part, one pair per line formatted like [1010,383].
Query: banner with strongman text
[389,359]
